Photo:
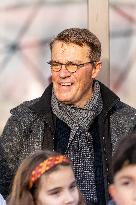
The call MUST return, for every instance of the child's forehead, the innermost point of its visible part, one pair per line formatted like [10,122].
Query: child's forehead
[62,177]
[128,171]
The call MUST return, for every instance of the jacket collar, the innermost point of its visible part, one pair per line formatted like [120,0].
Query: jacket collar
[109,99]
[43,105]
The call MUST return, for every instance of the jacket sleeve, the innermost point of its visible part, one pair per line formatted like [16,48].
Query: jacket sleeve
[9,148]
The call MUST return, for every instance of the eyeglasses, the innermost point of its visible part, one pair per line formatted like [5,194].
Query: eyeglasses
[70,67]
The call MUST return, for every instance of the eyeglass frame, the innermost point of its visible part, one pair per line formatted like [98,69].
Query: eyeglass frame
[78,66]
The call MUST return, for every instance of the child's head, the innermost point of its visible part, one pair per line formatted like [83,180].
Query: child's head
[123,188]
[45,178]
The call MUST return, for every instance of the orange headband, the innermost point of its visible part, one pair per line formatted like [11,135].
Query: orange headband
[45,166]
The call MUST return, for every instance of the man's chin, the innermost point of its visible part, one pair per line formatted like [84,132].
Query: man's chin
[64,100]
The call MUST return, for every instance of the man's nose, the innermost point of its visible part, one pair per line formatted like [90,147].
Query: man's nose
[64,73]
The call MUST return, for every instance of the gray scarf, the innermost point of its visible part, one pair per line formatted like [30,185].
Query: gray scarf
[79,117]
[80,146]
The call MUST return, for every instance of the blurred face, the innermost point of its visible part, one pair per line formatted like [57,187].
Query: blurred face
[123,191]
[73,88]
[58,188]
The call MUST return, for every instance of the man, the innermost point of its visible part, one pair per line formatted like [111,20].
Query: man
[76,115]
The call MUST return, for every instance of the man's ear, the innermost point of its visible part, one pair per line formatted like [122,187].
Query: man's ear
[96,69]
[112,191]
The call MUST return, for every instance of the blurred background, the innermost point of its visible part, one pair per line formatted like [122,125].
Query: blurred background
[27,27]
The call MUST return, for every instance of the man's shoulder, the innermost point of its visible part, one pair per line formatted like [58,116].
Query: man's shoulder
[24,106]
[123,121]
[124,110]
[23,111]
[112,102]
[27,105]
[124,116]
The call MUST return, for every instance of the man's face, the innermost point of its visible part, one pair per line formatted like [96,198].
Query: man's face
[73,88]
[123,190]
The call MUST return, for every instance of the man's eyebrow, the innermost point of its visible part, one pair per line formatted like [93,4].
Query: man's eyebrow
[76,62]
[68,62]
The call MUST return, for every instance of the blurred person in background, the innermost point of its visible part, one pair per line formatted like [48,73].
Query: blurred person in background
[77,115]
[45,178]
[123,187]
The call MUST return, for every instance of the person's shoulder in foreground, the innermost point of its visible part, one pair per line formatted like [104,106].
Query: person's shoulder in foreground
[2,201]
[123,187]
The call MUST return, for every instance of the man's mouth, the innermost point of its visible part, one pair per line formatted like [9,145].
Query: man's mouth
[66,84]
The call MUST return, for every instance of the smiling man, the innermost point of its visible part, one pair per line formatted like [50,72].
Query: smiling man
[74,87]
[76,115]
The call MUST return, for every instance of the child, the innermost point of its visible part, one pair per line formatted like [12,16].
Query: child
[123,188]
[45,178]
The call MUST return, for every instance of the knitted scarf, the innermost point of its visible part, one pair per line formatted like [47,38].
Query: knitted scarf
[80,145]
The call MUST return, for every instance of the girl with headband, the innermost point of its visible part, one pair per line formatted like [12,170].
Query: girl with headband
[45,178]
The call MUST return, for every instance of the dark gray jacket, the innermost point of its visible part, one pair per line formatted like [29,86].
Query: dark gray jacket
[31,127]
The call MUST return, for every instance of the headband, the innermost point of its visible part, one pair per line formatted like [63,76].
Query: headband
[45,166]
